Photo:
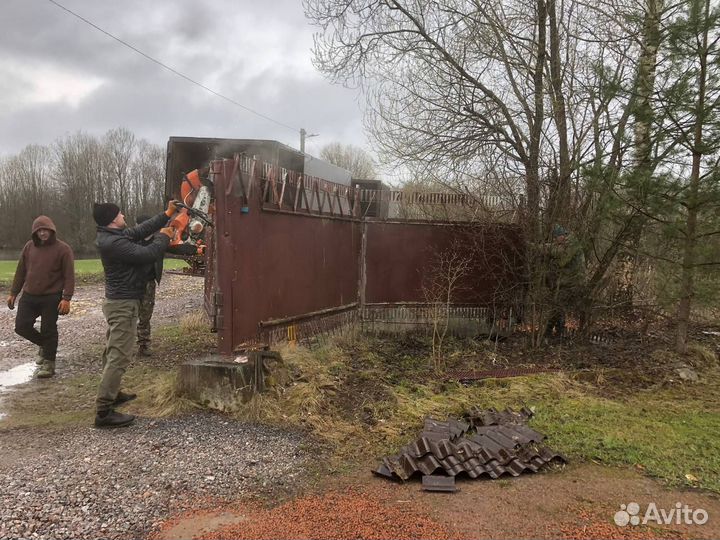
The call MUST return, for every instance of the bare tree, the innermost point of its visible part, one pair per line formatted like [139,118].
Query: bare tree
[556,104]
[28,190]
[79,168]
[64,180]
[440,289]
[354,159]
[118,150]
[507,98]
[148,178]
[460,81]
[13,218]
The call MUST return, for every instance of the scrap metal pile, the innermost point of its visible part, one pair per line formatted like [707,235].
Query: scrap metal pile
[486,443]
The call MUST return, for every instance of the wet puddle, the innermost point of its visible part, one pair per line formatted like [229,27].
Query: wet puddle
[17,375]
[14,376]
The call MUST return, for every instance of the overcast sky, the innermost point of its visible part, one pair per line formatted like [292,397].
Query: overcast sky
[60,75]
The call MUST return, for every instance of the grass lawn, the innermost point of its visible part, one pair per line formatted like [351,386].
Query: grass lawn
[362,394]
[84,269]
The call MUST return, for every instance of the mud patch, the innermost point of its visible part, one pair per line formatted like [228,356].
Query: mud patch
[191,527]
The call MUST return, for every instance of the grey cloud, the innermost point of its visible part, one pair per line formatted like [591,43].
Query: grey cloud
[155,104]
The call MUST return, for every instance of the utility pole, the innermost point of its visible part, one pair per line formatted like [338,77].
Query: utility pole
[304,135]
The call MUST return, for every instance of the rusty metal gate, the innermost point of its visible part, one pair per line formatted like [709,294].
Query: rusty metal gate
[278,265]
[291,256]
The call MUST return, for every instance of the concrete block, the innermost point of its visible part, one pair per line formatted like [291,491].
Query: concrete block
[226,383]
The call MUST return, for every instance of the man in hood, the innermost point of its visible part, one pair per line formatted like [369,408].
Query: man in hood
[46,276]
[127,264]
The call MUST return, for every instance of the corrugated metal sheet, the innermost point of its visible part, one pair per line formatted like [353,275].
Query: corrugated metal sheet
[493,417]
[454,448]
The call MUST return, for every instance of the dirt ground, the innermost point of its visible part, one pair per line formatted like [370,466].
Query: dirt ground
[578,501]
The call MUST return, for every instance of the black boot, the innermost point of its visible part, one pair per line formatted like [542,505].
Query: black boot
[112,419]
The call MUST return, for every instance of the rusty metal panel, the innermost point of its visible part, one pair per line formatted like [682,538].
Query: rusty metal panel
[401,258]
[310,326]
[212,297]
[276,265]
[185,154]
[292,256]
[462,321]
[291,191]
[471,375]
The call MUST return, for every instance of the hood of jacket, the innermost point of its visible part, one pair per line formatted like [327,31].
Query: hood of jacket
[43,222]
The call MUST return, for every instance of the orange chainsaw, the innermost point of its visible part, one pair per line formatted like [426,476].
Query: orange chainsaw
[193,214]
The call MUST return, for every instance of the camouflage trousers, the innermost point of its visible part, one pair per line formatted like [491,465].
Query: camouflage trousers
[147,304]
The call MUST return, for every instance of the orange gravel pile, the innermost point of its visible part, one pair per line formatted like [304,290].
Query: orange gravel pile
[333,515]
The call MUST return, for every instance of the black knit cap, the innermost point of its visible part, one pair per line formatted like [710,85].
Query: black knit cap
[104,213]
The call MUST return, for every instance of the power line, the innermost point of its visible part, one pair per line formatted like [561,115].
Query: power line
[172,70]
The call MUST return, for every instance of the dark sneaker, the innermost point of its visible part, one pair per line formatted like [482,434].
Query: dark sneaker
[113,419]
[122,397]
[144,350]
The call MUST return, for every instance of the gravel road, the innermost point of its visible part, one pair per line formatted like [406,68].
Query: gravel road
[85,325]
[87,483]
[79,482]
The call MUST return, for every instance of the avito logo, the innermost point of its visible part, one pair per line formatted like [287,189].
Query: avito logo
[681,514]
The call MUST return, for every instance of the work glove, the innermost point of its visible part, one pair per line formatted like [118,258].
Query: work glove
[168,231]
[11,301]
[64,307]
[171,208]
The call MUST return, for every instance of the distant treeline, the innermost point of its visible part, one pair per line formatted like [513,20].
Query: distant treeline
[63,180]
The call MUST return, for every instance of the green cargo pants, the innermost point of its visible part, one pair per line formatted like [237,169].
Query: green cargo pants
[121,316]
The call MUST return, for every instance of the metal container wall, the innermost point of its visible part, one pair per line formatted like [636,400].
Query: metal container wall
[298,260]
[401,258]
[185,154]
[276,265]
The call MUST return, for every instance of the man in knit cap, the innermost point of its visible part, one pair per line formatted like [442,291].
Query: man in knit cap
[126,262]
[46,276]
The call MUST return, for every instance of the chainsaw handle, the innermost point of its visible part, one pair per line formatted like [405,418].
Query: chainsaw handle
[194,213]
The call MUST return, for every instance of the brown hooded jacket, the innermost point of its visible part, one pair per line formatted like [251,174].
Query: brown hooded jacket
[45,268]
